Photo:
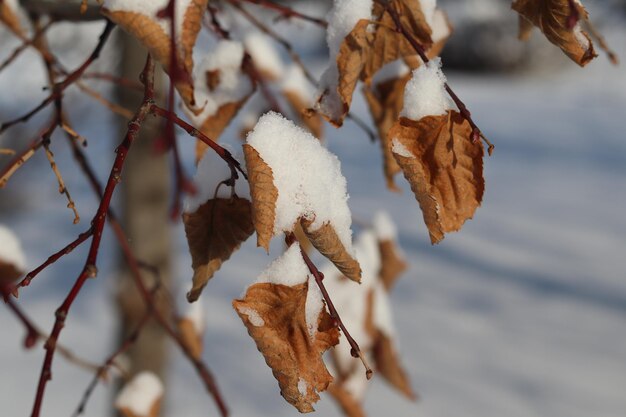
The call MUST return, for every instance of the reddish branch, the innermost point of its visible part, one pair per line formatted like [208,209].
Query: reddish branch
[288,12]
[400,28]
[90,269]
[59,88]
[355,350]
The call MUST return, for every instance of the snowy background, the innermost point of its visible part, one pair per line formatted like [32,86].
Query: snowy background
[523,313]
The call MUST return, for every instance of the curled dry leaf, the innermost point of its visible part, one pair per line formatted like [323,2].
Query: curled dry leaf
[387,44]
[275,316]
[386,358]
[264,195]
[444,168]
[348,404]
[353,53]
[214,232]
[191,337]
[311,119]
[392,264]
[326,241]
[552,18]
[152,34]
[10,18]
[385,101]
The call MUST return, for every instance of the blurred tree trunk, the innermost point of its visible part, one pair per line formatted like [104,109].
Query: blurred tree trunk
[145,203]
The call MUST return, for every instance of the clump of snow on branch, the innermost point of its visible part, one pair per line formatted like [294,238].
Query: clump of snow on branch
[150,8]
[195,314]
[307,176]
[211,171]
[341,18]
[290,270]
[264,54]
[425,93]
[233,86]
[11,249]
[140,394]
[296,82]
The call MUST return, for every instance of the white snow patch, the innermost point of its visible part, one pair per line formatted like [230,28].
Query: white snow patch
[264,54]
[308,177]
[384,226]
[195,314]
[428,8]
[290,269]
[399,149]
[233,86]
[210,172]
[341,18]
[253,316]
[296,82]
[439,26]
[11,249]
[302,387]
[140,394]
[425,93]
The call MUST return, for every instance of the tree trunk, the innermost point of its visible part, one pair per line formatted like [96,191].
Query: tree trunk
[145,200]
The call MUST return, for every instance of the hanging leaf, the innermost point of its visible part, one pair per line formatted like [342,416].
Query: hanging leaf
[444,167]
[191,337]
[10,17]
[348,404]
[326,241]
[264,196]
[385,101]
[155,35]
[311,119]
[552,18]
[275,316]
[387,44]
[214,232]
[8,272]
[353,52]
[392,263]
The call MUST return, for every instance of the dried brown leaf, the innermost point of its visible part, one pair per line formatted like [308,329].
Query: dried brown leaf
[214,125]
[264,195]
[150,33]
[350,406]
[284,340]
[385,101]
[445,170]
[327,242]
[191,337]
[386,358]
[311,120]
[392,263]
[353,53]
[154,410]
[387,44]
[11,19]
[551,17]
[214,232]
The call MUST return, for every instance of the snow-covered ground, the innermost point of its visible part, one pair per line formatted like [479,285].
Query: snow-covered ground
[522,313]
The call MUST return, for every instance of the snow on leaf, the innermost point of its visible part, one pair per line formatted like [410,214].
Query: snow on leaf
[141,397]
[294,179]
[281,331]
[214,231]
[552,18]
[139,18]
[444,168]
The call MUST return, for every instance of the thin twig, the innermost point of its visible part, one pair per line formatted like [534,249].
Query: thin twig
[355,350]
[62,188]
[69,80]
[288,12]
[115,108]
